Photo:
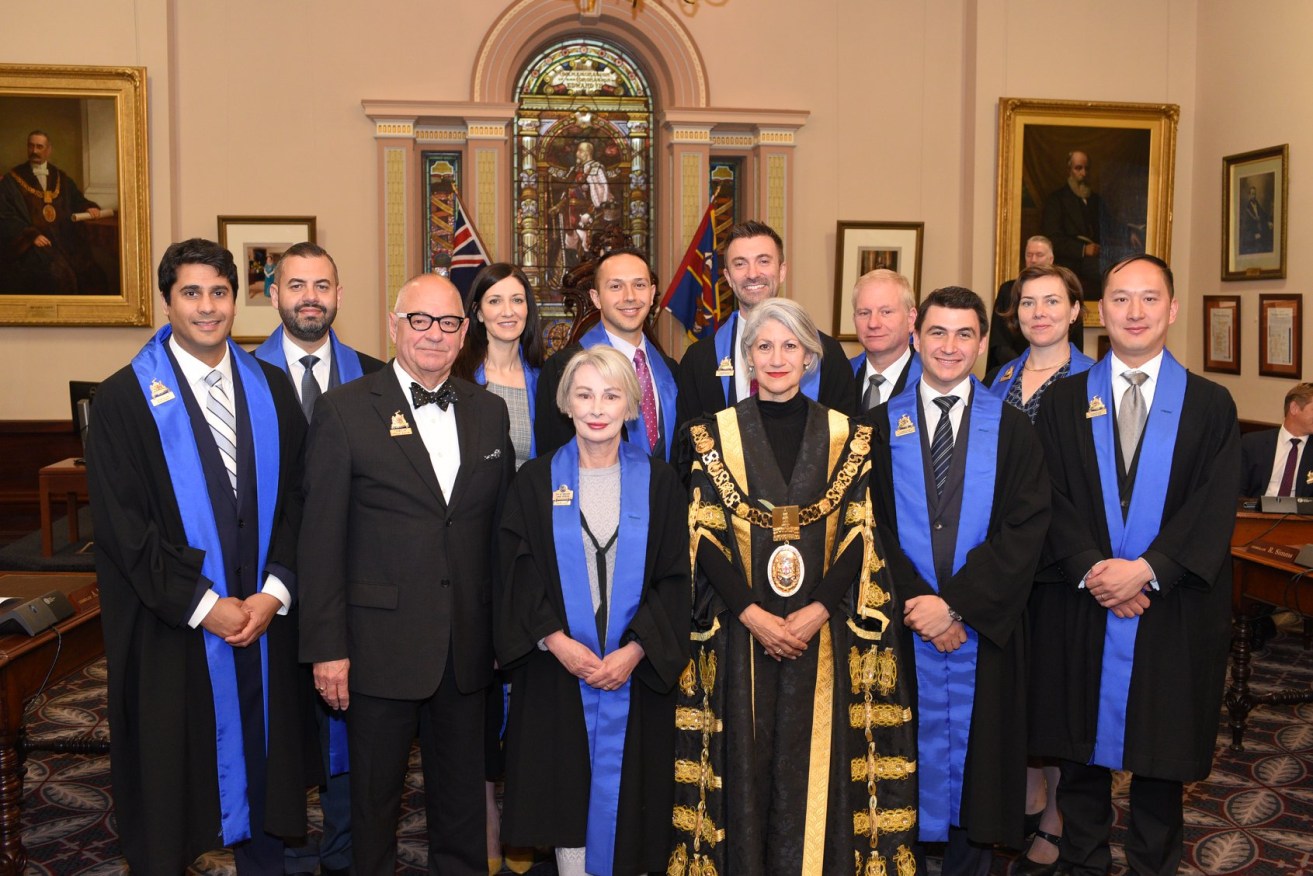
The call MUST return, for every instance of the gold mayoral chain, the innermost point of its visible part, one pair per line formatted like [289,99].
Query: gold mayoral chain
[48,211]
[785,570]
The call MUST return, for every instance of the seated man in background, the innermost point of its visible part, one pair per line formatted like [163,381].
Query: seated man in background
[1277,462]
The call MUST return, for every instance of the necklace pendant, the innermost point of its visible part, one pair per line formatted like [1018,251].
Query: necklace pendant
[785,570]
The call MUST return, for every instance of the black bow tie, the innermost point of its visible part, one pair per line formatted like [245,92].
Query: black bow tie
[442,396]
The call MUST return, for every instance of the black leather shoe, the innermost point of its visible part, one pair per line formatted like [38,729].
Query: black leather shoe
[1024,866]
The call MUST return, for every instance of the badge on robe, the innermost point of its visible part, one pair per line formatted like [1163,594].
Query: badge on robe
[1096,409]
[725,368]
[1007,375]
[905,426]
[563,496]
[159,393]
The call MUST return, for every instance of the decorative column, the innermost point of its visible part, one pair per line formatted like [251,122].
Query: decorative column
[773,157]
[487,183]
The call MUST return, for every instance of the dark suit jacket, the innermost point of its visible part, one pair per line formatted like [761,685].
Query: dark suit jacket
[1258,452]
[858,381]
[396,577]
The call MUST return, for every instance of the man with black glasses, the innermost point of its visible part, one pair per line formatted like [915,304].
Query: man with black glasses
[407,468]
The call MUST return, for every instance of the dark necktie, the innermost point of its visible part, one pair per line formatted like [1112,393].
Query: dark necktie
[941,448]
[310,390]
[1131,414]
[599,552]
[1292,462]
[442,396]
[647,399]
[872,397]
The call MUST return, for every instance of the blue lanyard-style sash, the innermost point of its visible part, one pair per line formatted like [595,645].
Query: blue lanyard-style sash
[666,390]
[345,359]
[946,683]
[530,384]
[153,368]
[1011,372]
[1131,537]
[606,713]
[725,347]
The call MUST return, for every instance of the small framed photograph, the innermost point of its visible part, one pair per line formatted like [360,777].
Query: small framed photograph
[1280,336]
[257,243]
[1254,211]
[1222,333]
[864,246]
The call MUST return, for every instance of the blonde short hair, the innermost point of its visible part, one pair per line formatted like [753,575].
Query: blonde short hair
[884,275]
[793,317]
[614,368]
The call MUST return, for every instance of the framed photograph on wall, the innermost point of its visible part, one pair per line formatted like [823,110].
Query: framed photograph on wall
[257,243]
[865,246]
[1096,179]
[1222,333]
[74,197]
[1281,336]
[1254,212]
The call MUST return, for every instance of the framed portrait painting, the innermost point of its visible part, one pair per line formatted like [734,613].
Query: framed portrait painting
[1254,211]
[257,243]
[1222,333]
[1281,336]
[1096,179]
[864,246]
[74,196]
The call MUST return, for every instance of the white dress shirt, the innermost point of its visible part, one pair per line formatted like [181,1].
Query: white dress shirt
[196,371]
[1279,461]
[322,368]
[1120,384]
[629,349]
[931,410]
[437,429]
[891,376]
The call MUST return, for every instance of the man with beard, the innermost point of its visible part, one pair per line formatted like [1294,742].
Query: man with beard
[306,292]
[1075,219]
[42,251]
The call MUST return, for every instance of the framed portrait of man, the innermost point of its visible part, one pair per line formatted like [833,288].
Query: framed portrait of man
[1096,179]
[74,198]
[1254,210]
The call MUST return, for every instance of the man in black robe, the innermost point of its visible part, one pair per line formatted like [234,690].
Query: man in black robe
[194,471]
[42,251]
[1145,461]
[968,504]
[713,375]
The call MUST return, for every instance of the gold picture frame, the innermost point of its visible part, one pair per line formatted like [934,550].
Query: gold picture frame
[94,119]
[864,246]
[257,243]
[1131,165]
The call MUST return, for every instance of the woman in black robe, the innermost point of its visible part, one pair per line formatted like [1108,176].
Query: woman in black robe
[589,747]
[796,751]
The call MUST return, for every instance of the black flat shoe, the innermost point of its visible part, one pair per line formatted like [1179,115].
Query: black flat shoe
[1031,824]
[1024,866]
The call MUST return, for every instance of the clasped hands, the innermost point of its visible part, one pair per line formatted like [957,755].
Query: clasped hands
[604,673]
[1119,585]
[241,622]
[928,617]
[783,637]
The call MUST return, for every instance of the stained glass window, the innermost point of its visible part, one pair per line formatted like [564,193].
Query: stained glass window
[583,158]
[441,176]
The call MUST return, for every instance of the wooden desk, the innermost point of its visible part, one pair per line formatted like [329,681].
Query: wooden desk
[24,663]
[1250,526]
[1260,578]
[69,479]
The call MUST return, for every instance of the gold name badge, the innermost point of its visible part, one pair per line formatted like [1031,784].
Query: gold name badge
[905,426]
[399,425]
[726,368]
[1309,479]
[784,523]
[1096,409]
[562,496]
[1007,375]
[159,393]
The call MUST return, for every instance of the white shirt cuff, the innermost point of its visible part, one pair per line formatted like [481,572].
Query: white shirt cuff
[274,586]
[208,600]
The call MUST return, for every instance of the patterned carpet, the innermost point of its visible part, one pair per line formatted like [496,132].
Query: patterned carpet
[1253,815]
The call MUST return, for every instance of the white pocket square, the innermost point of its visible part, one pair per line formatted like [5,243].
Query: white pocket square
[496,454]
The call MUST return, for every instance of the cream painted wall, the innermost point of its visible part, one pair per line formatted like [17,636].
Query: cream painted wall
[255,109]
[1252,82]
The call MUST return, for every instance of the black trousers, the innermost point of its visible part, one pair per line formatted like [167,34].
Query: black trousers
[1154,844]
[450,728]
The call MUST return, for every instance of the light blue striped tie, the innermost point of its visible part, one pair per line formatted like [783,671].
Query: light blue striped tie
[223,424]
[941,448]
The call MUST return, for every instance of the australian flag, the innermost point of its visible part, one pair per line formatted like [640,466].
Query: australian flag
[691,297]
[468,256]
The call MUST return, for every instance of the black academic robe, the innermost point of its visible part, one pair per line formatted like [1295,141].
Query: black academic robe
[546,746]
[1181,646]
[160,706]
[1258,452]
[551,428]
[701,393]
[990,592]
[789,789]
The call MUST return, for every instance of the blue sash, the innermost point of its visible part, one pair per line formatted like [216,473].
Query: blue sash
[913,368]
[665,388]
[1011,372]
[946,683]
[345,359]
[154,369]
[606,713]
[725,347]
[531,387]
[1132,536]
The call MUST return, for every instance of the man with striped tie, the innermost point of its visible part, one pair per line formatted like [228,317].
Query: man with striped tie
[193,463]
[963,486]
